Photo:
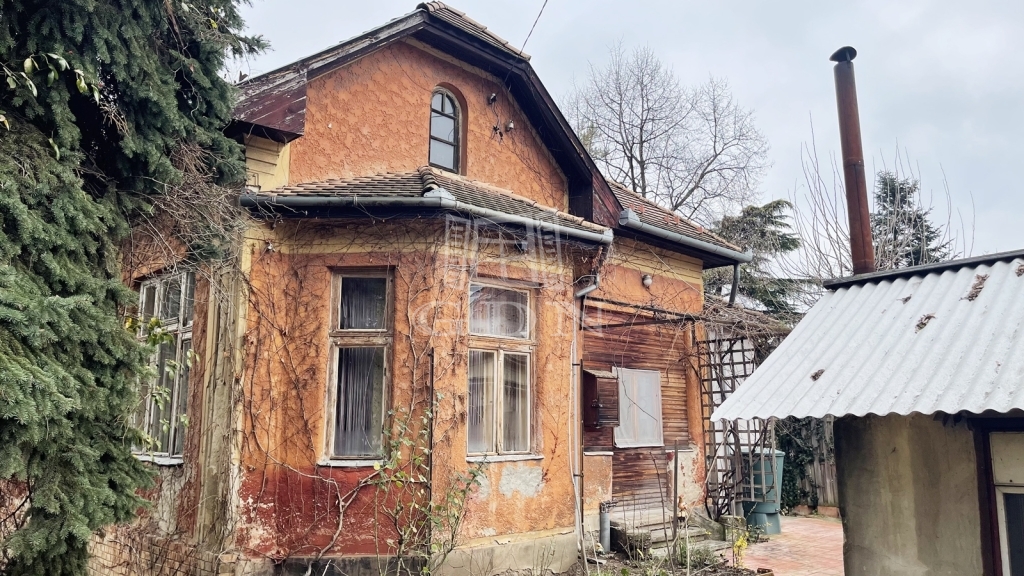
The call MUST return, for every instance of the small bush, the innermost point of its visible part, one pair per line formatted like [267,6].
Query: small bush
[696,556]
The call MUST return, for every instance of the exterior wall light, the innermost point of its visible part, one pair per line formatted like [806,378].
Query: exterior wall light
[647,280]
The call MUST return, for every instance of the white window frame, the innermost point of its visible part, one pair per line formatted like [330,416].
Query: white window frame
[1001,490]
[180,327]
[356,338]
[500,346]
[632,440]
[1005,452]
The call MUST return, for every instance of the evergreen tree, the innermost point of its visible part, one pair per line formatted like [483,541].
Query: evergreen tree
[903,231]
[763,230]
[99,95]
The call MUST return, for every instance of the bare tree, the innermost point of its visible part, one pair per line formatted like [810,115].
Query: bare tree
[904,231]
[692,150]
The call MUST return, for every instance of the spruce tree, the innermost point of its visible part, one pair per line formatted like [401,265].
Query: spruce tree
[765,231]
[903,231]
[98,95]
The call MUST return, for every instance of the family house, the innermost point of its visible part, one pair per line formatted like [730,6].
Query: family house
[446,340]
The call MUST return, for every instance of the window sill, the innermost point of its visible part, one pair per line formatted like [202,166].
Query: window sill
[488,458]
[599,453]
[160,460]
[652,446]
[365,463]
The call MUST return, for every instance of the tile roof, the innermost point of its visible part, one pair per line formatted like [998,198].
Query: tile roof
[459,18]
[654,215]
[415,183]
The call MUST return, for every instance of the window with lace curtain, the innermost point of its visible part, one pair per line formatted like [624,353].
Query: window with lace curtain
[360,349]
[499,371]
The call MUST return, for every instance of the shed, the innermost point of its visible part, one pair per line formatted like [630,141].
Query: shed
[923,368]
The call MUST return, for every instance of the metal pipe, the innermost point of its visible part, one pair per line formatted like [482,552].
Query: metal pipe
[438,198]
[605,525]
[861,247]
[590,288]
[735,284]
[629,219]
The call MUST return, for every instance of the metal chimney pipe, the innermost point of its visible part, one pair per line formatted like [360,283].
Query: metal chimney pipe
[853,162]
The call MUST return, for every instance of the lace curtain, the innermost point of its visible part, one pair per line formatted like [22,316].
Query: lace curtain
[360,412]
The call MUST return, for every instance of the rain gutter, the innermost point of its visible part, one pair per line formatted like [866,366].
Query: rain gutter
[629,219]
[437,198]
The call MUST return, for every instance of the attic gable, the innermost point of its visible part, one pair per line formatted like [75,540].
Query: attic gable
[274,105]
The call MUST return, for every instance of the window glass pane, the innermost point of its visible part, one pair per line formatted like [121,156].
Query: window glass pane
[170,308]
[360,413]
[160,415]
[1013,508]
[442,127]
[516,403]
[499,312]
[181,405]
[190,289]
[436,101]
[481,401]
[442,154]
[648,408]
[449,105]
[363,303]
[140,412]
[148,302]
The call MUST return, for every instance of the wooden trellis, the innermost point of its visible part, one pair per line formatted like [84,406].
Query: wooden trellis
[732,448]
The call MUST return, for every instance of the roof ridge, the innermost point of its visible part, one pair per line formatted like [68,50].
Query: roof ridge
[440,8]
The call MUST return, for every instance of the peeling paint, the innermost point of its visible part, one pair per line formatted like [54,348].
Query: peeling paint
[483,489]
[525,479]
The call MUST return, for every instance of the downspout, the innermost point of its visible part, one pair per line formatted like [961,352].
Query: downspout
[735,284]
[437,198]
[576,396]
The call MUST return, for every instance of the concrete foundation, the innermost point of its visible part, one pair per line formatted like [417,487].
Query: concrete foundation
[908,494]
[538,553]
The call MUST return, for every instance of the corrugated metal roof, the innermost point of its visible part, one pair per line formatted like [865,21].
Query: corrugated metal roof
[946,340]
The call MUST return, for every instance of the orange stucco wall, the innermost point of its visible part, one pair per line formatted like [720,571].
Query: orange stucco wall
[373,115]
[288,500]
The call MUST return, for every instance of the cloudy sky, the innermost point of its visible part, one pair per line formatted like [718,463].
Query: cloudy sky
[942,80]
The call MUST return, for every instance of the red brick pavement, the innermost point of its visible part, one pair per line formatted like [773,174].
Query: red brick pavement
[810,546]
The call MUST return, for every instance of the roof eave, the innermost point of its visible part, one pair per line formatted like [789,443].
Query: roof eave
[714,255]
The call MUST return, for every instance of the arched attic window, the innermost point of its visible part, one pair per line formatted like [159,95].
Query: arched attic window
[444,131]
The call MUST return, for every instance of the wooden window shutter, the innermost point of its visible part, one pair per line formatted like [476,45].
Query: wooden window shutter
[600,399]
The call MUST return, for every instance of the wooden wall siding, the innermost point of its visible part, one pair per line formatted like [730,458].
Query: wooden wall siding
[639,474]
[640,478]
[266,163]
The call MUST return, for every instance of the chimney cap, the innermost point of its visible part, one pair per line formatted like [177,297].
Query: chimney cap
[844,54]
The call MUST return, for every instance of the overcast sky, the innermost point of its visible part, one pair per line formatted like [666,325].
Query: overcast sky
[944,79]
